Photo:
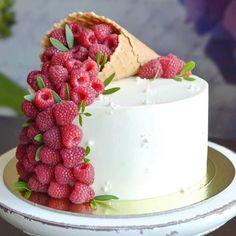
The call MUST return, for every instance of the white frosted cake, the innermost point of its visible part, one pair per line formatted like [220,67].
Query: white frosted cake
[150,138]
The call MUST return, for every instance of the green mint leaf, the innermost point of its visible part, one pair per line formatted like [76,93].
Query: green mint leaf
[58,45]
[26,124]
[98,58]
[79,107]
[29,97]
[27,194]
[177,79]
[56,97]
[87,114]
[189,78]
[21,185]
[69,37]
[189,66]
[40,82]
[37,157]
[38,138]
[93,205]
[80,120]
[87,150]
[111,90]
[105,197]
[109,79]
[67,92]
[86,160]
[83,106]
[104,61]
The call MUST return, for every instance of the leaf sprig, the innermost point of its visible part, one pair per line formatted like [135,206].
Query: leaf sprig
[23,186]
[107,82]
[102,200]
[101,60]
[188,67]
[81,112]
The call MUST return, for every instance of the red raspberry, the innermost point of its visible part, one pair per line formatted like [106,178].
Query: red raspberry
[81,193]
[111,41]
[65,112]
[44,173]
[43,98]
[79,53]
[90,66]
[58,34]
[73,64]
[52,138]
[101,31]
[45,67]
[32,131]
[23,136]
[61,58]
[71,135]
[49,156]
[151,69]
[79,78]
[96,48]
[45,120]
[39,198]
[31,151]
[76,28]
[84,172]
[61,89]
[57,190]
[36,186]
[72,156]
[48,54]
[29,109]
[98,86]
[87,38]
[58,74]
[63,175]
[21,151]
[31,79]
[59,204]
[85,94]
[81,208]
[22,172]
[28,165]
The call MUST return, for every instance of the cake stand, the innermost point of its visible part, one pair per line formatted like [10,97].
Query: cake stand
[197,211]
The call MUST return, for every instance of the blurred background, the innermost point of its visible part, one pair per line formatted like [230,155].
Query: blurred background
[200,30]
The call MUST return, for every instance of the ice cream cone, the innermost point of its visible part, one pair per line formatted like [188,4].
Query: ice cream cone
[129,55]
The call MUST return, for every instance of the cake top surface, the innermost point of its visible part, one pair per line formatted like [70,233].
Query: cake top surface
[135,91]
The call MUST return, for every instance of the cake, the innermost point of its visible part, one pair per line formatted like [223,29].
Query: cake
[109,118]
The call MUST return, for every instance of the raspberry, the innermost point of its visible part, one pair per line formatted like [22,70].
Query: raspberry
[57,190]
[52,138]
[111,41]
[72,156]
[76,28]
[61,89]
[22,172]
[31,151]
[31,79]
[29,109]
[65,112]
[36,186]
[79,78]
[49,156]
[45,67]
[101,31]
[151,69]
[79,53]
[47,83]
[84,172]
[44,173]
[23,136]
[21,151]
[58,74]
[61,58]
[90,66]
[96,48]
[85,94]
[73,64]
[43,98]
[44,119]
[39,198]
[28,165]
[98,86]
[59,204]
[63,175]
[48,54]
[87,38]
[58,34]
[81,208]
[71,135]
[32,131]
[81,193]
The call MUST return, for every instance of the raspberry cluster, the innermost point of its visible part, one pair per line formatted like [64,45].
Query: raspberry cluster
[74,70]
[49,157]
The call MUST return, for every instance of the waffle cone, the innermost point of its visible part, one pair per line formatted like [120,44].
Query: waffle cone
[129,55]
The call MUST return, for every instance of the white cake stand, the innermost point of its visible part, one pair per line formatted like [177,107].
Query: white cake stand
[196,219]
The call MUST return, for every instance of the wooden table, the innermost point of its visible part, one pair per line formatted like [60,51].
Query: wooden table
[9,129]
